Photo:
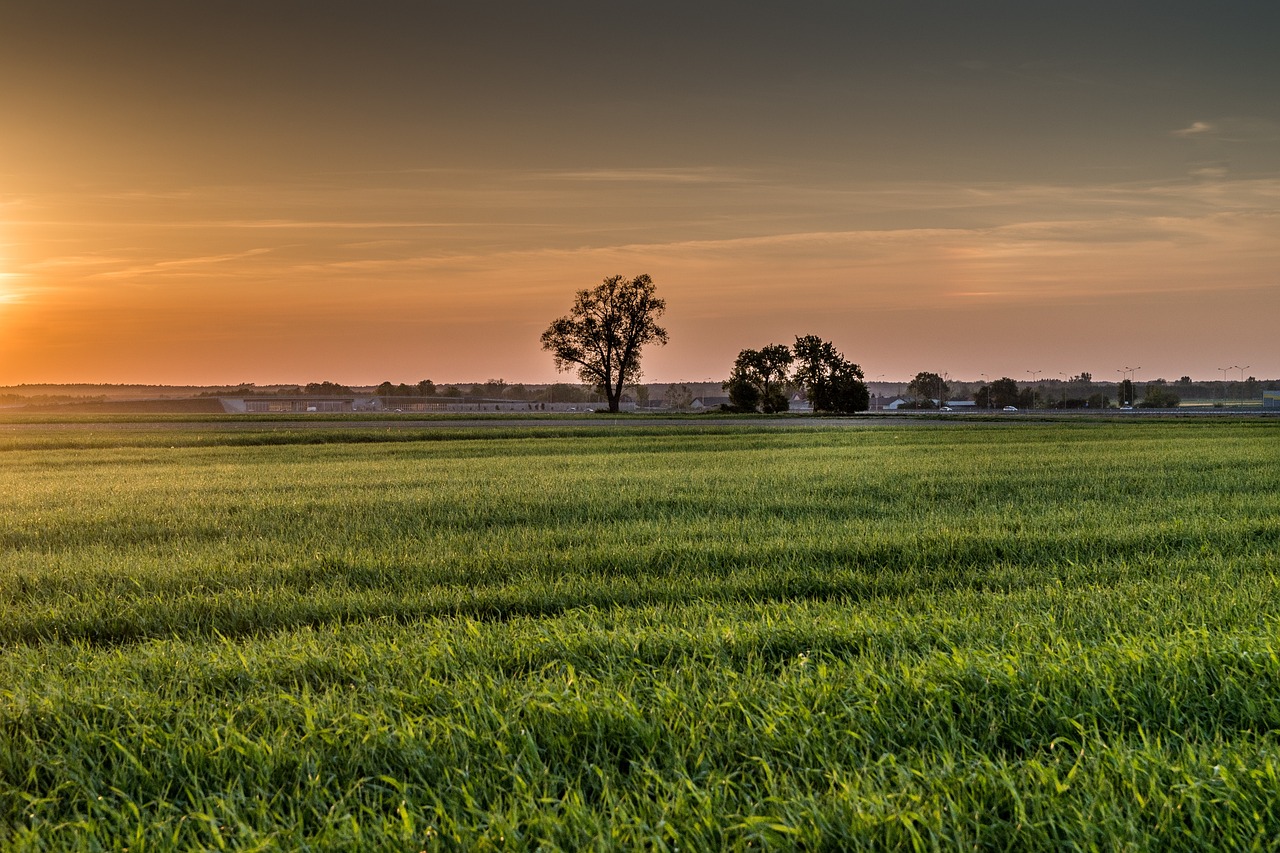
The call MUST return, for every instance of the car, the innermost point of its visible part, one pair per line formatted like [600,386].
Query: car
[1126,408]
[1011,408]
[947,409]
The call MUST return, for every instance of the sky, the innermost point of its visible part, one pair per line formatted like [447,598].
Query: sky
[285,191]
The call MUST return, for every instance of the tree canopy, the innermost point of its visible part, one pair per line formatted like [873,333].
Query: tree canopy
[1158,397]
[926,385]
[604,332]
[758,379]
[1003,392]
[831,382]
[328,388]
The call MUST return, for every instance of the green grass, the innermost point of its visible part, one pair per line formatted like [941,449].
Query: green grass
[928,636]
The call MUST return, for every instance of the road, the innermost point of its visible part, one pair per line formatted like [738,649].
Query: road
[320,421]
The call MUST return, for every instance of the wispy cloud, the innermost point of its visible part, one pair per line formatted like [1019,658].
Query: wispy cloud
[178,266]
[1196,128]
[1215,171]
[694,175]
[74,262]
[1237,129]
[335,225]
[273,224]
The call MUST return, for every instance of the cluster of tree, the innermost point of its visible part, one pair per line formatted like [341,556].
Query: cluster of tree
[425,388]
[564,392]
[50,399]
[327,389]
[249,389]
[604,332]
[1246,390]
[678,397]
[607,327]
[761,379]
[1004,392]
[493,389]
[1159,397]
[928,390]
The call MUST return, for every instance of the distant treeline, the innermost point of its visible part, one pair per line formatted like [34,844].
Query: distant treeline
[494,389]
[48,399]
[248,389]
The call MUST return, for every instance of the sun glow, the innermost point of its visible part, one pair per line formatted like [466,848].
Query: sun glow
[7,292]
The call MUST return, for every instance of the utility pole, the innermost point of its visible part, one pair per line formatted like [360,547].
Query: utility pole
[1035,374]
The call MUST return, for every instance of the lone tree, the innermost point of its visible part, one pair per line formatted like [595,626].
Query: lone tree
[1003,392]
[758,379]
[925,385]
[831,382]
[604,332]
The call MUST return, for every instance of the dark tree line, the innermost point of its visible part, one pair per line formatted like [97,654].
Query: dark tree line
[760,379]
[425,388]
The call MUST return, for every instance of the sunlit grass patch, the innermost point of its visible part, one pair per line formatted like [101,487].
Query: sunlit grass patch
[1037,636]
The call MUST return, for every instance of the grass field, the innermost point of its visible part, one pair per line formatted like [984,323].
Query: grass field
[930,636]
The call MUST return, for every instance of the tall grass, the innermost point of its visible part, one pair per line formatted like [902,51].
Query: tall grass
[918,637]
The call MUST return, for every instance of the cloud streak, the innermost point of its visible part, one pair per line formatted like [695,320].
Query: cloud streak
[179,266]
[650,175]
[1196,128]
[740,267]
[1235,129]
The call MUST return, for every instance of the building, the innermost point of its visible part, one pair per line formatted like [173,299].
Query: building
[1271,399]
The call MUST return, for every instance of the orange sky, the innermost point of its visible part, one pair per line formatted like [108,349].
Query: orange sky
[358,194]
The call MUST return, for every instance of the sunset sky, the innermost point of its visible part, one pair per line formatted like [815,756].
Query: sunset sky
[277,191]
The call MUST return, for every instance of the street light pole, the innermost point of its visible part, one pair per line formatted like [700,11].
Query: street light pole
[1035,374]
[1125,374]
